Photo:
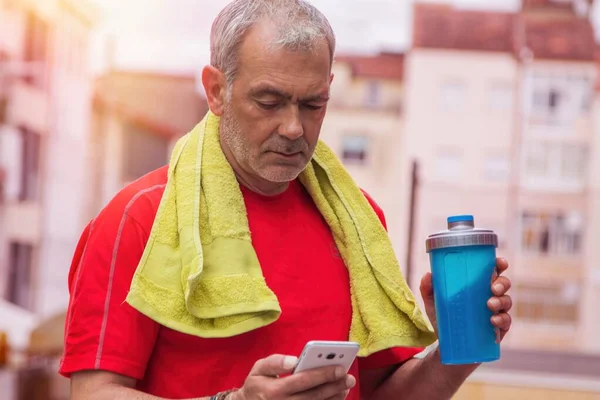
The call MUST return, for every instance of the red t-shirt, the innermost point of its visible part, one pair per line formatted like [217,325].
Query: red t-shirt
[300,263]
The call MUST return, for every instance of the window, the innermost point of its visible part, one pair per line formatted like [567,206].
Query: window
[554,303]
[452,96]
[573,162]
[497,168]
[144,151]
[537,162]
[556,164]
[500,97]
[449,165]
[19,279]
[547,100]
[30,167]
[560,99]
[552,234]
[550,98]
[373,95]
[355,149]
[587,94]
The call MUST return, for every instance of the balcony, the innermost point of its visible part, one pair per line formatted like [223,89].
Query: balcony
[579,132]
[555,165]
[553,267]
[28,107]
[22,222]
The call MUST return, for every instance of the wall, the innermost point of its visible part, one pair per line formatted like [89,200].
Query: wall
[453,130]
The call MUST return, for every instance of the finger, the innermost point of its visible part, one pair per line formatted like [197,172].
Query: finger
[274,365]
[426,287]
[501,265]
[311,379]
[502,303]
[502,321]
[336,390]
[501,286]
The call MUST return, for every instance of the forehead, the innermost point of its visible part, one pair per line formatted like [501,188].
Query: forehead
[260,61]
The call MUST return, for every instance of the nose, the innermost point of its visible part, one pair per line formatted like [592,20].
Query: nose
[291,127]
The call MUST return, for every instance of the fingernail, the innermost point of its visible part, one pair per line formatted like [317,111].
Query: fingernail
[495,303]
[289,362]
[496,319]
[498,287]
[339,373]
[350,382]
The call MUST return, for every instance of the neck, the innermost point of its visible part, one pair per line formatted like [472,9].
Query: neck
[251,181]
[261,186]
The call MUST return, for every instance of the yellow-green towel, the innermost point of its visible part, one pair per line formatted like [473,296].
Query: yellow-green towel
[200,275]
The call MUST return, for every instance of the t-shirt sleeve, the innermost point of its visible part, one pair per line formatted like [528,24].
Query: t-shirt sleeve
[376,208]
[102,331]
[396,355]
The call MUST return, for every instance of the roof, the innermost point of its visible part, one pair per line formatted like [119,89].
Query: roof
[166,104]
[382,66]
[546,4]
[444,27]
[560,38]
[549,35]
[551,4]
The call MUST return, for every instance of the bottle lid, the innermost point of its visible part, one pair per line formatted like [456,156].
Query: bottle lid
[461,232]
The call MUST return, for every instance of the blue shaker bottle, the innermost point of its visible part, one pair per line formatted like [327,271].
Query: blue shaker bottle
[463,260]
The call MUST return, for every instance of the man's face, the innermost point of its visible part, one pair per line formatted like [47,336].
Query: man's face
[272,120]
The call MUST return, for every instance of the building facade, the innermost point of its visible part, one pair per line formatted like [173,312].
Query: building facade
[364,127]
[137,118]
[45,104]
[502,126]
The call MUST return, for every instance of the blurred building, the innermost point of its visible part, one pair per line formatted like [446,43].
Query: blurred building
[493,115]
[499,122]
[137,118]
[45,103]
[364,126]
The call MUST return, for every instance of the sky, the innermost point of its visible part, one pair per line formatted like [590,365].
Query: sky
[172,35]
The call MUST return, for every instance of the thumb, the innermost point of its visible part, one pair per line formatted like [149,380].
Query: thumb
[274,365]
[427,295]
[427,288]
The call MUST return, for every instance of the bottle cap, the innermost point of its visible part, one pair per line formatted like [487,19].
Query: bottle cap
[461,232]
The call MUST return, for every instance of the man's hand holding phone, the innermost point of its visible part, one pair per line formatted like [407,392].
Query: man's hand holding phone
[325,383]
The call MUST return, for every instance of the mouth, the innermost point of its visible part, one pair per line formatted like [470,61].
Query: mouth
[287,155]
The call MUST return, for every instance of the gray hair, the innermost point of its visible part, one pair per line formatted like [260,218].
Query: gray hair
[300,25]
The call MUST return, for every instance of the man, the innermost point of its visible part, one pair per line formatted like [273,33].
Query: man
[269,82]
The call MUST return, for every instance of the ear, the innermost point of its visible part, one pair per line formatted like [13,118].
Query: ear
[215,87]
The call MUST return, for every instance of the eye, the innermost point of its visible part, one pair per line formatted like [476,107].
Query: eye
[268,106]
[313,107]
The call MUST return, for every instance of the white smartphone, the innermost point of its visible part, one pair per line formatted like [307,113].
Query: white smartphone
[317,354]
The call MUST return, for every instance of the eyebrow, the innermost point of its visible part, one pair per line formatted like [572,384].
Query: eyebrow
[271,91]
